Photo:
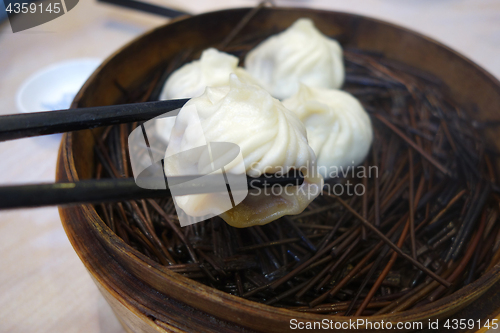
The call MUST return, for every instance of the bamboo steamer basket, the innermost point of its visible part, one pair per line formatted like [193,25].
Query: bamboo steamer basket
[147,297]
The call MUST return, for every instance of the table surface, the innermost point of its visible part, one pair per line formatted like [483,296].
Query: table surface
[43,285]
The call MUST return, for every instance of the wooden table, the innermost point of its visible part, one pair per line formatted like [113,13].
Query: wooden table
[43,285]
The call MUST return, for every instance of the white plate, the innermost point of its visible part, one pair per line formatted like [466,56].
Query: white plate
[54,87]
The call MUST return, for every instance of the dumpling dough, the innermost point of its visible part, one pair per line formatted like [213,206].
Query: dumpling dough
[272,140]
[338,128]
[211,70]
[300,54]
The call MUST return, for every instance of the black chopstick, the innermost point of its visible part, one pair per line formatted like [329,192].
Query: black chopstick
[18,126]
[146,7]
[109,190]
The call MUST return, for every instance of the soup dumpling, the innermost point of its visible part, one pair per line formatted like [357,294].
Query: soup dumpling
[272,141]
[300,54]
[338,128]
[211,70]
